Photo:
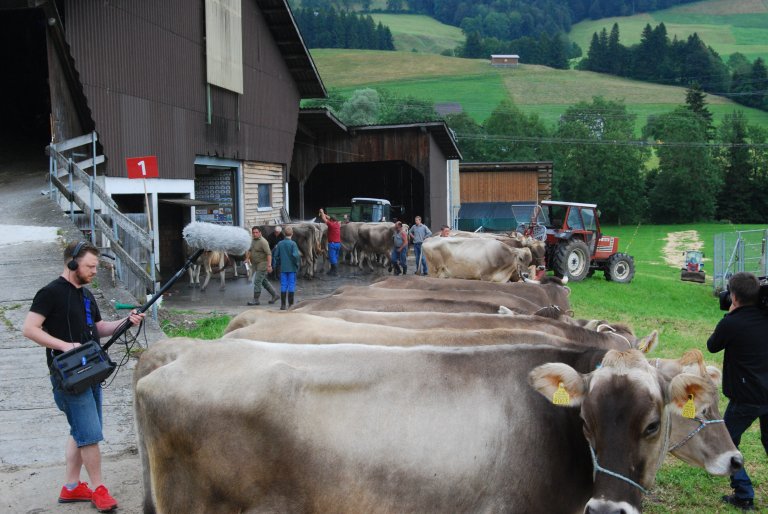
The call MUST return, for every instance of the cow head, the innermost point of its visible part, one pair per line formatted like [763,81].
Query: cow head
[701,440]
[625,406]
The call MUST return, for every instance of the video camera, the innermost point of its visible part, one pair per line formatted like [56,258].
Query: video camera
[725,296]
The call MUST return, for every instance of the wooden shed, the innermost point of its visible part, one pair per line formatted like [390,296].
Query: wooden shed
[408,164]
[493,190]
[505,60]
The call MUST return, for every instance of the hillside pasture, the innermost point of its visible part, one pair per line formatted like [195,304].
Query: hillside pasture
[479,87]
[420,33]
[728,26]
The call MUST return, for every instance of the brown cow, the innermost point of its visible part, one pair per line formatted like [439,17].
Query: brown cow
[476,259]
[550,292]
[406,329]
[244,426]
[375,242]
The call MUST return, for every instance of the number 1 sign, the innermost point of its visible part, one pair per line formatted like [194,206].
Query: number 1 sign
[142,167]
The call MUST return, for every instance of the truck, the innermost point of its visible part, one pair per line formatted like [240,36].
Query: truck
[373,209]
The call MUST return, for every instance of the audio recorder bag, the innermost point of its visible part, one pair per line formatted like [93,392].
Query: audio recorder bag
[81,367]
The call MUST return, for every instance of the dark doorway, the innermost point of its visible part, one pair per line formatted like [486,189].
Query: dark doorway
[172,220]
[24,95]
[334,185]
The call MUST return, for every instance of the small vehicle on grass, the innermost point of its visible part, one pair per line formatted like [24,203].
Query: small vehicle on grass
[693,268]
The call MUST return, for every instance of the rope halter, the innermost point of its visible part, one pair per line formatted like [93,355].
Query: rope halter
[702,423]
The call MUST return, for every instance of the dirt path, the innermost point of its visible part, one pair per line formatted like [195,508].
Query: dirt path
[677,243]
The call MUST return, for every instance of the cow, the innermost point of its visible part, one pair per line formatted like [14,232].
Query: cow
[375,242]
[477,259]
[307,238]
[520,303]
[349,241]
[216,263]
[358,326]
[551,291]
[246,426]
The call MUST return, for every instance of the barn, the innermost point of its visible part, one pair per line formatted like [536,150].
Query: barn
[212,90]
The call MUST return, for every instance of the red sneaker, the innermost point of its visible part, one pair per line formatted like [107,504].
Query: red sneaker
[81,493]
[102,500]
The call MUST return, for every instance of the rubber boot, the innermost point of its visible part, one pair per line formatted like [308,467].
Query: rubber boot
[405,269]
[396,267]
[333,271]
[282,301]
[255,301]
[275,296]
[290,299]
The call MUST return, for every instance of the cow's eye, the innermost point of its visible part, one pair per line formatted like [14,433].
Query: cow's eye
[651,429]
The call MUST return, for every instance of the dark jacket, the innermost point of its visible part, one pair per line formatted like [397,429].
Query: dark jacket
[743,334]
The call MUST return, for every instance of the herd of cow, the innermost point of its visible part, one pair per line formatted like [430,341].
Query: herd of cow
[420,394]
[480,256]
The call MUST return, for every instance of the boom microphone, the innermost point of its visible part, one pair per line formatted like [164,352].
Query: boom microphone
[220,238]
[200,237]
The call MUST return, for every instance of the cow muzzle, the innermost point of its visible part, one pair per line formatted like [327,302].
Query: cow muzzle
[596,506]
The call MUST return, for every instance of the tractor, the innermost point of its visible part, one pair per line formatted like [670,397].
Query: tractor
[693,267]
[576,247]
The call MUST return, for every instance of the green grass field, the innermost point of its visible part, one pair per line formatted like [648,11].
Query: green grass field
[728,26]
[420,33]
[685,314]
[479,87]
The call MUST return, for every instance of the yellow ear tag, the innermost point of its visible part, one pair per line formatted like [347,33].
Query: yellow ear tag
[561,396]
[689,409]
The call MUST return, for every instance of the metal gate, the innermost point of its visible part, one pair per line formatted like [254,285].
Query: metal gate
[739,251]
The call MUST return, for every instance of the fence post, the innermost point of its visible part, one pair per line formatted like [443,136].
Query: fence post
[71,191]
[93,210]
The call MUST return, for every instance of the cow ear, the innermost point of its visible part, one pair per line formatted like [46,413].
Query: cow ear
[715,375]
[559,383]
[649,342]
[686,388]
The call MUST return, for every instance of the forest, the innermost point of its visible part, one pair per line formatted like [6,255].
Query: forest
[328,28]
[679,62]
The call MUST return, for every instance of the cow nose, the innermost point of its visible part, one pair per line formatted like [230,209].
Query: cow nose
[737,462]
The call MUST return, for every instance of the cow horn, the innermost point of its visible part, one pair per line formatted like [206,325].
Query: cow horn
[506,311]
[530,281]
[565,279]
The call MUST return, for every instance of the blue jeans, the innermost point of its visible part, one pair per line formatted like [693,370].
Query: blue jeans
[83,412]
[399,257]
[738,417]
[420,259]
[333,252]
[288,282]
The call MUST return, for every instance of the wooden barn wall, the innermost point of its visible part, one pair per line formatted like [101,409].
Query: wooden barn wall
[436,188]
[411,146]
[142,67]
[65,122]
[495,186]
[255,173]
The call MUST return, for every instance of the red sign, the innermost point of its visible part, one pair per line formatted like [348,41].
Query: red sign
[142,167]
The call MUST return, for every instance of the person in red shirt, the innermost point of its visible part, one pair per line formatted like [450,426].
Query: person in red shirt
[334,240]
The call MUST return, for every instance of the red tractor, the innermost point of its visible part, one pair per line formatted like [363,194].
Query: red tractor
[576,247]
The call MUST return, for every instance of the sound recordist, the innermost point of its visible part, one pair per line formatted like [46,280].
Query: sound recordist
[64,315]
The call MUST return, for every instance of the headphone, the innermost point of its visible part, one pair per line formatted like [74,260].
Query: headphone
[73,264]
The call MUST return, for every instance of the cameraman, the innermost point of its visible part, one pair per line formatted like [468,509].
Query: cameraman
[743,334]
[64,315]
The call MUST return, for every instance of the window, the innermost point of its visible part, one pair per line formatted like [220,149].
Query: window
[265,196]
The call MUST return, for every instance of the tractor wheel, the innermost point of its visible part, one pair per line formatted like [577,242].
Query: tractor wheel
[572,260]
[621,268]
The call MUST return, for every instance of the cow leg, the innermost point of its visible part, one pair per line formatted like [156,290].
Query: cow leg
[208,273]
[223,271]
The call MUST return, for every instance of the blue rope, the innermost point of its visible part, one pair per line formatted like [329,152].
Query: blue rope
[702,423]
[597,467]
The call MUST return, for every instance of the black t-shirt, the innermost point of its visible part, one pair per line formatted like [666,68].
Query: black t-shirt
[63,306]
